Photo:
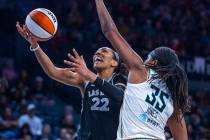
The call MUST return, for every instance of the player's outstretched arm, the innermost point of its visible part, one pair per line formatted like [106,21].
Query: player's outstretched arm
[62,75]
[112,34]
[177,128]
[137,70]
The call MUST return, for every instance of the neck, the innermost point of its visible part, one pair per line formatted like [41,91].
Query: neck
[106,74]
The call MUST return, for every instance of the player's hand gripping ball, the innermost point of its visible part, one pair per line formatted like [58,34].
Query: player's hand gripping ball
[42,24]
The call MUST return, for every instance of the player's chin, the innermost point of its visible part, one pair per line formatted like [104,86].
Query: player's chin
[98,66]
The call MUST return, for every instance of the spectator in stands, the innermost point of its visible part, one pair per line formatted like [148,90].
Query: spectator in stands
[46,133]
[190,132]
[3,94]
[25,133]
[3,85]
[8,72]
[24,77]
[39,85]
[34,122]
[68,110]
[69,125]
[64,135]
[8,124]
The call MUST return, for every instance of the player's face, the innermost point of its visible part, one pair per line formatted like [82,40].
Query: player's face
[103,59]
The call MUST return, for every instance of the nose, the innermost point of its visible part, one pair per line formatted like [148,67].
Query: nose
[98,53]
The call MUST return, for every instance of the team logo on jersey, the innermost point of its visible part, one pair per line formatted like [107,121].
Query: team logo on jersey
[95,93]
[153,122]
[152,112]
[143,117]
[149,117]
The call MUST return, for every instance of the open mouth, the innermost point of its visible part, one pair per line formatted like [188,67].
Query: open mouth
[98,59]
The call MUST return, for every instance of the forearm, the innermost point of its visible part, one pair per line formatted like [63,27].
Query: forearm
[110,90]
[112,34]
[107,24]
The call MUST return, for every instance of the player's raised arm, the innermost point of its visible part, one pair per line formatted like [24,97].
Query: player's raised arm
[118,42]
[62,75]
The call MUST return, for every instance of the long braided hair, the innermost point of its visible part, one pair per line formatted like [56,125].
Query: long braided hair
[168,69]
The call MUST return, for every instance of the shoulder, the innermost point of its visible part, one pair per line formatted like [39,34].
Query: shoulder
[119,78]
[120,81]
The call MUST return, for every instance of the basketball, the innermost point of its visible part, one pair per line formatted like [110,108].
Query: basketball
[42,24]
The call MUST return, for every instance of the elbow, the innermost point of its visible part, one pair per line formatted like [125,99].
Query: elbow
[51,76]
[135,64]
[107,28]
[51,73]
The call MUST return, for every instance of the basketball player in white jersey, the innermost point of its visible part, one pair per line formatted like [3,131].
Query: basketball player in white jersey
[157,89]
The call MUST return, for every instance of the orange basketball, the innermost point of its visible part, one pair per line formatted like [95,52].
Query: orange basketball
[42,23]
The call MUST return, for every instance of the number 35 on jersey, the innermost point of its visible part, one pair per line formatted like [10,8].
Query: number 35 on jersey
[157,99]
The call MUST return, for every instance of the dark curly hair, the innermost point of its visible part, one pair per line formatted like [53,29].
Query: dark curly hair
[168,69]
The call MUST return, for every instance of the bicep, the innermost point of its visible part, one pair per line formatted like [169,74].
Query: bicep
[177,128]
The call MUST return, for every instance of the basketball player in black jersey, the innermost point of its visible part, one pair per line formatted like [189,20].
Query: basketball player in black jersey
[101,104]
[102,92]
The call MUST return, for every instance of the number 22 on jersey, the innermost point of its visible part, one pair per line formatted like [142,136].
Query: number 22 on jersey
[97,104]
[153,98]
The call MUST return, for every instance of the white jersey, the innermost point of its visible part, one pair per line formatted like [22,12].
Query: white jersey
[146,108]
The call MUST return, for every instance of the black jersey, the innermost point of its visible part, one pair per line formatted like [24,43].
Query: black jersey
[100,113]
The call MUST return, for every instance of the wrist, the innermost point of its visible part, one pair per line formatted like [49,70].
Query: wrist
[34,44]
[34,47]
[91,77]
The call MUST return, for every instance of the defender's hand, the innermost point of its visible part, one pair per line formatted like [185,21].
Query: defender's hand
[79,66]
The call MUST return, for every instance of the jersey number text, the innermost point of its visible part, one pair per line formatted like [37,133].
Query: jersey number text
[161,104]
[97,101]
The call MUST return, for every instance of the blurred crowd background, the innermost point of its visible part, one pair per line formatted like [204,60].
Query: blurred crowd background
[34,107]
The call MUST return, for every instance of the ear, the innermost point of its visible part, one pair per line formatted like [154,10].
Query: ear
[151,63]
[154,62]
[114,63]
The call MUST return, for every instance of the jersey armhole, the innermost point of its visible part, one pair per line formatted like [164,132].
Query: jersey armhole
[132,84]
[84,88]
[149,75]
